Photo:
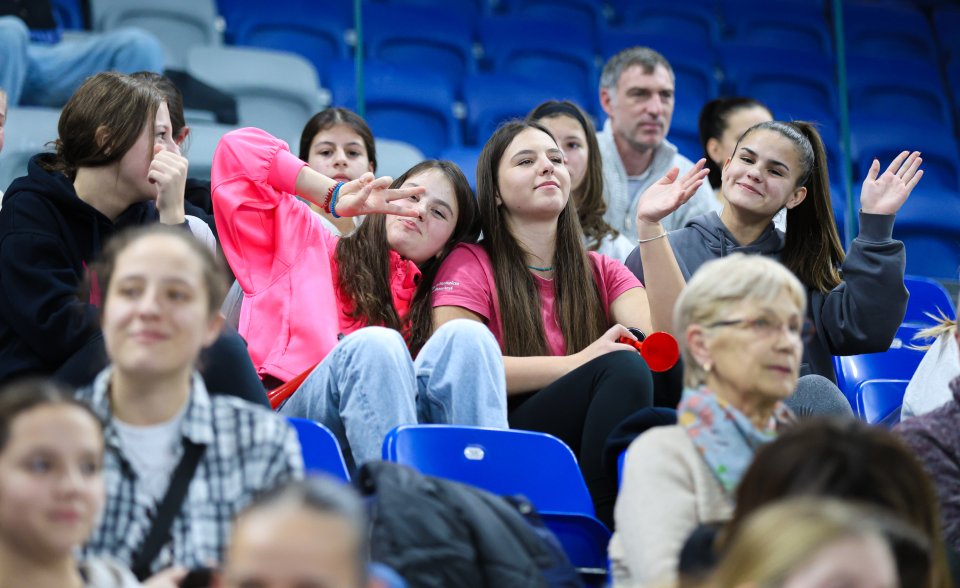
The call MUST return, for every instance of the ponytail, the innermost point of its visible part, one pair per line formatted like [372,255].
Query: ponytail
[812,250]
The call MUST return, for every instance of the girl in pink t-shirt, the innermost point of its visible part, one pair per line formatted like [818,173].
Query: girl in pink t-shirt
[556,310]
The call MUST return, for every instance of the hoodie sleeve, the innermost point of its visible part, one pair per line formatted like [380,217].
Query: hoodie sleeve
[39,298]
[263,227]
[863,313]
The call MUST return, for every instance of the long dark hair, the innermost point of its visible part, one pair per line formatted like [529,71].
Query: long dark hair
[589,197]
[812,250]
[331,117]
[579,312]
[713,122]
[366,252]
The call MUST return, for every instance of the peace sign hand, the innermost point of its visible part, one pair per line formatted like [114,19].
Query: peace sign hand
[887,193]
[367,195]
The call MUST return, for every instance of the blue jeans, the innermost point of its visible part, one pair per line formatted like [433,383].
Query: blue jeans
[368,384]
[40,74]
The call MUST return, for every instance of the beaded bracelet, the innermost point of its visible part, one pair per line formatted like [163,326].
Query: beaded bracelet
[333,199]
[325,203]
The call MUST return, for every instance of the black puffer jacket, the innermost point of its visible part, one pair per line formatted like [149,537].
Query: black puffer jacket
[439,533]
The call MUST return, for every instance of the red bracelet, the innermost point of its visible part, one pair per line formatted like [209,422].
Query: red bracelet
[325,205]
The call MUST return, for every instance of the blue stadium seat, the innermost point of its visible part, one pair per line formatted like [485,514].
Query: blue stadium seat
[580,11]
[927,225]
[492,99]
[889,31]
[282,26]
[509,462]
[408,104]
[879,137]
[876,89]
[796,85]
[953,79]
[321,452]
[69,13]
[946,22]
[681,19]
[466,159]
[785,25]
[416,35]
[897,363]
[543,51]
[471,8]
[879,401]
[927,297]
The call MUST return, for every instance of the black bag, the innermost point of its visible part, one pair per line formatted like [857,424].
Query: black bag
[439,533]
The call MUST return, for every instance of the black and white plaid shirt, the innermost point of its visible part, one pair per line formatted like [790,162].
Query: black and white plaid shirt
[249,450]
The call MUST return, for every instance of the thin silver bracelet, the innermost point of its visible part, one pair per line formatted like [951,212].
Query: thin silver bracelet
[663,234]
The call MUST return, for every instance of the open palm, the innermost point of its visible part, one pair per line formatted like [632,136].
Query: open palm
[886,193]
[669,193]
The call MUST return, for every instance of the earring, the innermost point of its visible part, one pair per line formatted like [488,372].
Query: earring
[707,367]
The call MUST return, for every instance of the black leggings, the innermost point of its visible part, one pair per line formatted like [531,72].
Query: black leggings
[583,407]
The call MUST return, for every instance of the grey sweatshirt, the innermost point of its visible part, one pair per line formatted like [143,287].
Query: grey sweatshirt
[861,315]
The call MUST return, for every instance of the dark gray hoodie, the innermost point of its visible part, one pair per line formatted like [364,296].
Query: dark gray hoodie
[861,315]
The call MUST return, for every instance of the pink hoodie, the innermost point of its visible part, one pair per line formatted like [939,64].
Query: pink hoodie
[282,256]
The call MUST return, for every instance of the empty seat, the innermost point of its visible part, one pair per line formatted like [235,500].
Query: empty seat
[466,159]
[787,25]
[879,401]
[927,297]
[545,52]
[408,104]
[395,157]
[588,12]
[321,452]
[275,91]
[888,30]
[416,36]
[201,144]
[492,99]
[318,40]
[797,85]
[681,19]
[946,22]
[27,132]
[880,138]
[929,230]
[69,13]
[471,8]
[179,24]
[919,97]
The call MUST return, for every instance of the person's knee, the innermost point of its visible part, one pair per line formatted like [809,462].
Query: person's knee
[376,341]
[13,32]
[465,330]
[135,49]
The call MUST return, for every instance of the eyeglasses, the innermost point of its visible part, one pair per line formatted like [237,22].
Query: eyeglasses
[768,327]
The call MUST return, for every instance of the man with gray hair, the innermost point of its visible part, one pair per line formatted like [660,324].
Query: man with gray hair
[637,94]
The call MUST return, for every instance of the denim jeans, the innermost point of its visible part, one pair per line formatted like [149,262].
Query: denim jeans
[368,384]
[40,74]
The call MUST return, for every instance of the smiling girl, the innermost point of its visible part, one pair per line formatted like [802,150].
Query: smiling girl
[856,300]
[359,305]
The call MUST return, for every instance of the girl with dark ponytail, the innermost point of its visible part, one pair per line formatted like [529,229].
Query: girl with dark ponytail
[857,300]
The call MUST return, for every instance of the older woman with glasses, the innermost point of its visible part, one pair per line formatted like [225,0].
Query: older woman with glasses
[741,327]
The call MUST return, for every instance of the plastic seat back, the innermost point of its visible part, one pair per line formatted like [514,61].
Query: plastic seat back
[505,462]
[321,452]
[879,401]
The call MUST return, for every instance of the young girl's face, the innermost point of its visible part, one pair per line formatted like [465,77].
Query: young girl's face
[156,317]
[51,489]
[761,177]
[339,153]
[573,142]
[424,236]
[533,181]
[135,163]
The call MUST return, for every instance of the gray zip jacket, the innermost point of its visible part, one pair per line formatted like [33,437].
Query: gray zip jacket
[861,315]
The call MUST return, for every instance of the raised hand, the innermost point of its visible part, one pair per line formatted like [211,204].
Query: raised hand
[367,195]
[670,193]
[887,193]
[168,171]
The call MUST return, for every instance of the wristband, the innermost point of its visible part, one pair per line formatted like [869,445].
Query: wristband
[333,199]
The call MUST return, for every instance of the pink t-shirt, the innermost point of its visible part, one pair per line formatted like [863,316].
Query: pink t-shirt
[466,279]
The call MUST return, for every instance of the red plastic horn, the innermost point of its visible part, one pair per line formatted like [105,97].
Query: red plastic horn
[659,350]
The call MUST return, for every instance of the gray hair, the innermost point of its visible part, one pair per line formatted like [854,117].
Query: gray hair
[722,283]
[645,57]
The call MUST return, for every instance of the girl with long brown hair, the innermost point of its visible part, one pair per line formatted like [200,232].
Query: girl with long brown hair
[856,300]
[556,310]
[337,318]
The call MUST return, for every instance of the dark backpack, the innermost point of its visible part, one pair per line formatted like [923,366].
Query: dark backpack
[439,533]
